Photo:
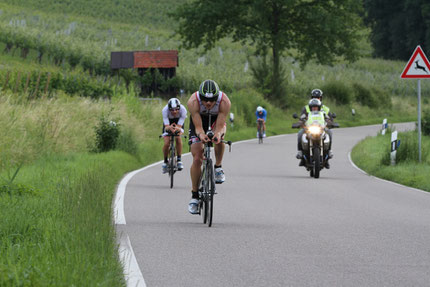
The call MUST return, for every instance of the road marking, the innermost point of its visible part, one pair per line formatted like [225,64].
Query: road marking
[132,273]
[120,193]
[381,179]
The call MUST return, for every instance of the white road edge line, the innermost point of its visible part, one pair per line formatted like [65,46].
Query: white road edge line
[132,273]
[381,179]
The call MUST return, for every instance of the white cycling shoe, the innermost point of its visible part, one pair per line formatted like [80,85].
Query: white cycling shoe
[193,206]
[164,168]
[180,165]
[219,175]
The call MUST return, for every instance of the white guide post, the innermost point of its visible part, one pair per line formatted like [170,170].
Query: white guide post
[384,126]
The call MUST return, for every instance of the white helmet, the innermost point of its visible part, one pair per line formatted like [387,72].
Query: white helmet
[259,109]
[174,104]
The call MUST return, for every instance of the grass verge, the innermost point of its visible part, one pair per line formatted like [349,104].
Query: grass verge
[372,152]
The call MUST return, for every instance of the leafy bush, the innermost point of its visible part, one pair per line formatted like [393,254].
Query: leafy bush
[363,95]
[107,134]
[382,98]
[337,91]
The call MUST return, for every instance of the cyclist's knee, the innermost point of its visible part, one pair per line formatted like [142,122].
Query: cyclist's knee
[197,160]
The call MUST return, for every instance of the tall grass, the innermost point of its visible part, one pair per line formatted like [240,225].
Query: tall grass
[63,236]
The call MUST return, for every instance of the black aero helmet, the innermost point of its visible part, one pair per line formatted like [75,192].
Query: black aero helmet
[316,94]
[315,103]
[174,104]
[208,91]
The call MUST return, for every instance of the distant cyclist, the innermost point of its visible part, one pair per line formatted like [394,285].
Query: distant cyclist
[174,115]
[315,94]
[261,115]
[207,100]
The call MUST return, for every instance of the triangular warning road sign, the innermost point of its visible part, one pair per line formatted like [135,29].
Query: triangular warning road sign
[418,66]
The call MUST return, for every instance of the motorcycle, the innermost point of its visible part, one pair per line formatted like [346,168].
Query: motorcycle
[315,140]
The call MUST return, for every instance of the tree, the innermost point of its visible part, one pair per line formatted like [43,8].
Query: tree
[315,29]
[398,26]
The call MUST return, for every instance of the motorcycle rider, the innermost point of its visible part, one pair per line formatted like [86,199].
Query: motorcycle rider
[315,94]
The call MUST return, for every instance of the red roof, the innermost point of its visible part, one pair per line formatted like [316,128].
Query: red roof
[156,59]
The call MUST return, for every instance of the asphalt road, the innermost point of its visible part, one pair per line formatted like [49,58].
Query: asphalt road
[276,226]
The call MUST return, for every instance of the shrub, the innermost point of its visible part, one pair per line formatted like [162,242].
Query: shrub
[364,95]
[425,123]
[337,91]
[107,133]
[382,98]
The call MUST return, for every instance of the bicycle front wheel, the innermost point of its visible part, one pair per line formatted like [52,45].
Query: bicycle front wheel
[204,196]
[172,165]
[260,132]
[211,195]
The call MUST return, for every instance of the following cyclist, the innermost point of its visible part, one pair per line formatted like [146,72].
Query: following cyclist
[315,94]
[174,115]
[207,100]
[261,115]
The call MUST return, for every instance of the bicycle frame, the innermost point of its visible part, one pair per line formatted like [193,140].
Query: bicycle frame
[172,163]
[207,188]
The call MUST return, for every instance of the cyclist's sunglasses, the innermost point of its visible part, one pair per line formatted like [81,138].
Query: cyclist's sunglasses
[175,109]
[204,99]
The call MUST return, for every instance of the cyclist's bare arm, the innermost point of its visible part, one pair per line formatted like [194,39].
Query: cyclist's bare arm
[224,112]
[194,109]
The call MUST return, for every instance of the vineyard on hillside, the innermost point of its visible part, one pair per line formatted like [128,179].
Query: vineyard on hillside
[82,45]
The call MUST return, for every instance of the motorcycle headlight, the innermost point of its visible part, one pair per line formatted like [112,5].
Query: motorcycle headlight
[315,130]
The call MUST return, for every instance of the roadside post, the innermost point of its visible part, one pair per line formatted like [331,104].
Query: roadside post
[418,67]
[231,119]
[384,126]
[394,145]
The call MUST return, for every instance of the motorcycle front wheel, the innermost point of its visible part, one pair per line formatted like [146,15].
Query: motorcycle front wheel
[317,162]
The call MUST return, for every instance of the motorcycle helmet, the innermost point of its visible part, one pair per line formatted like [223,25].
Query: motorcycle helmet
[315,103]
[316,94]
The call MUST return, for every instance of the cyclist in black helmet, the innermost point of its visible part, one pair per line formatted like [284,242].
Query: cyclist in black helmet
[315,94]
[207,100]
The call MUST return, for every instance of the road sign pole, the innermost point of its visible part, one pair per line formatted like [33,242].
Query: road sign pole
[419,120]
[418,71]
